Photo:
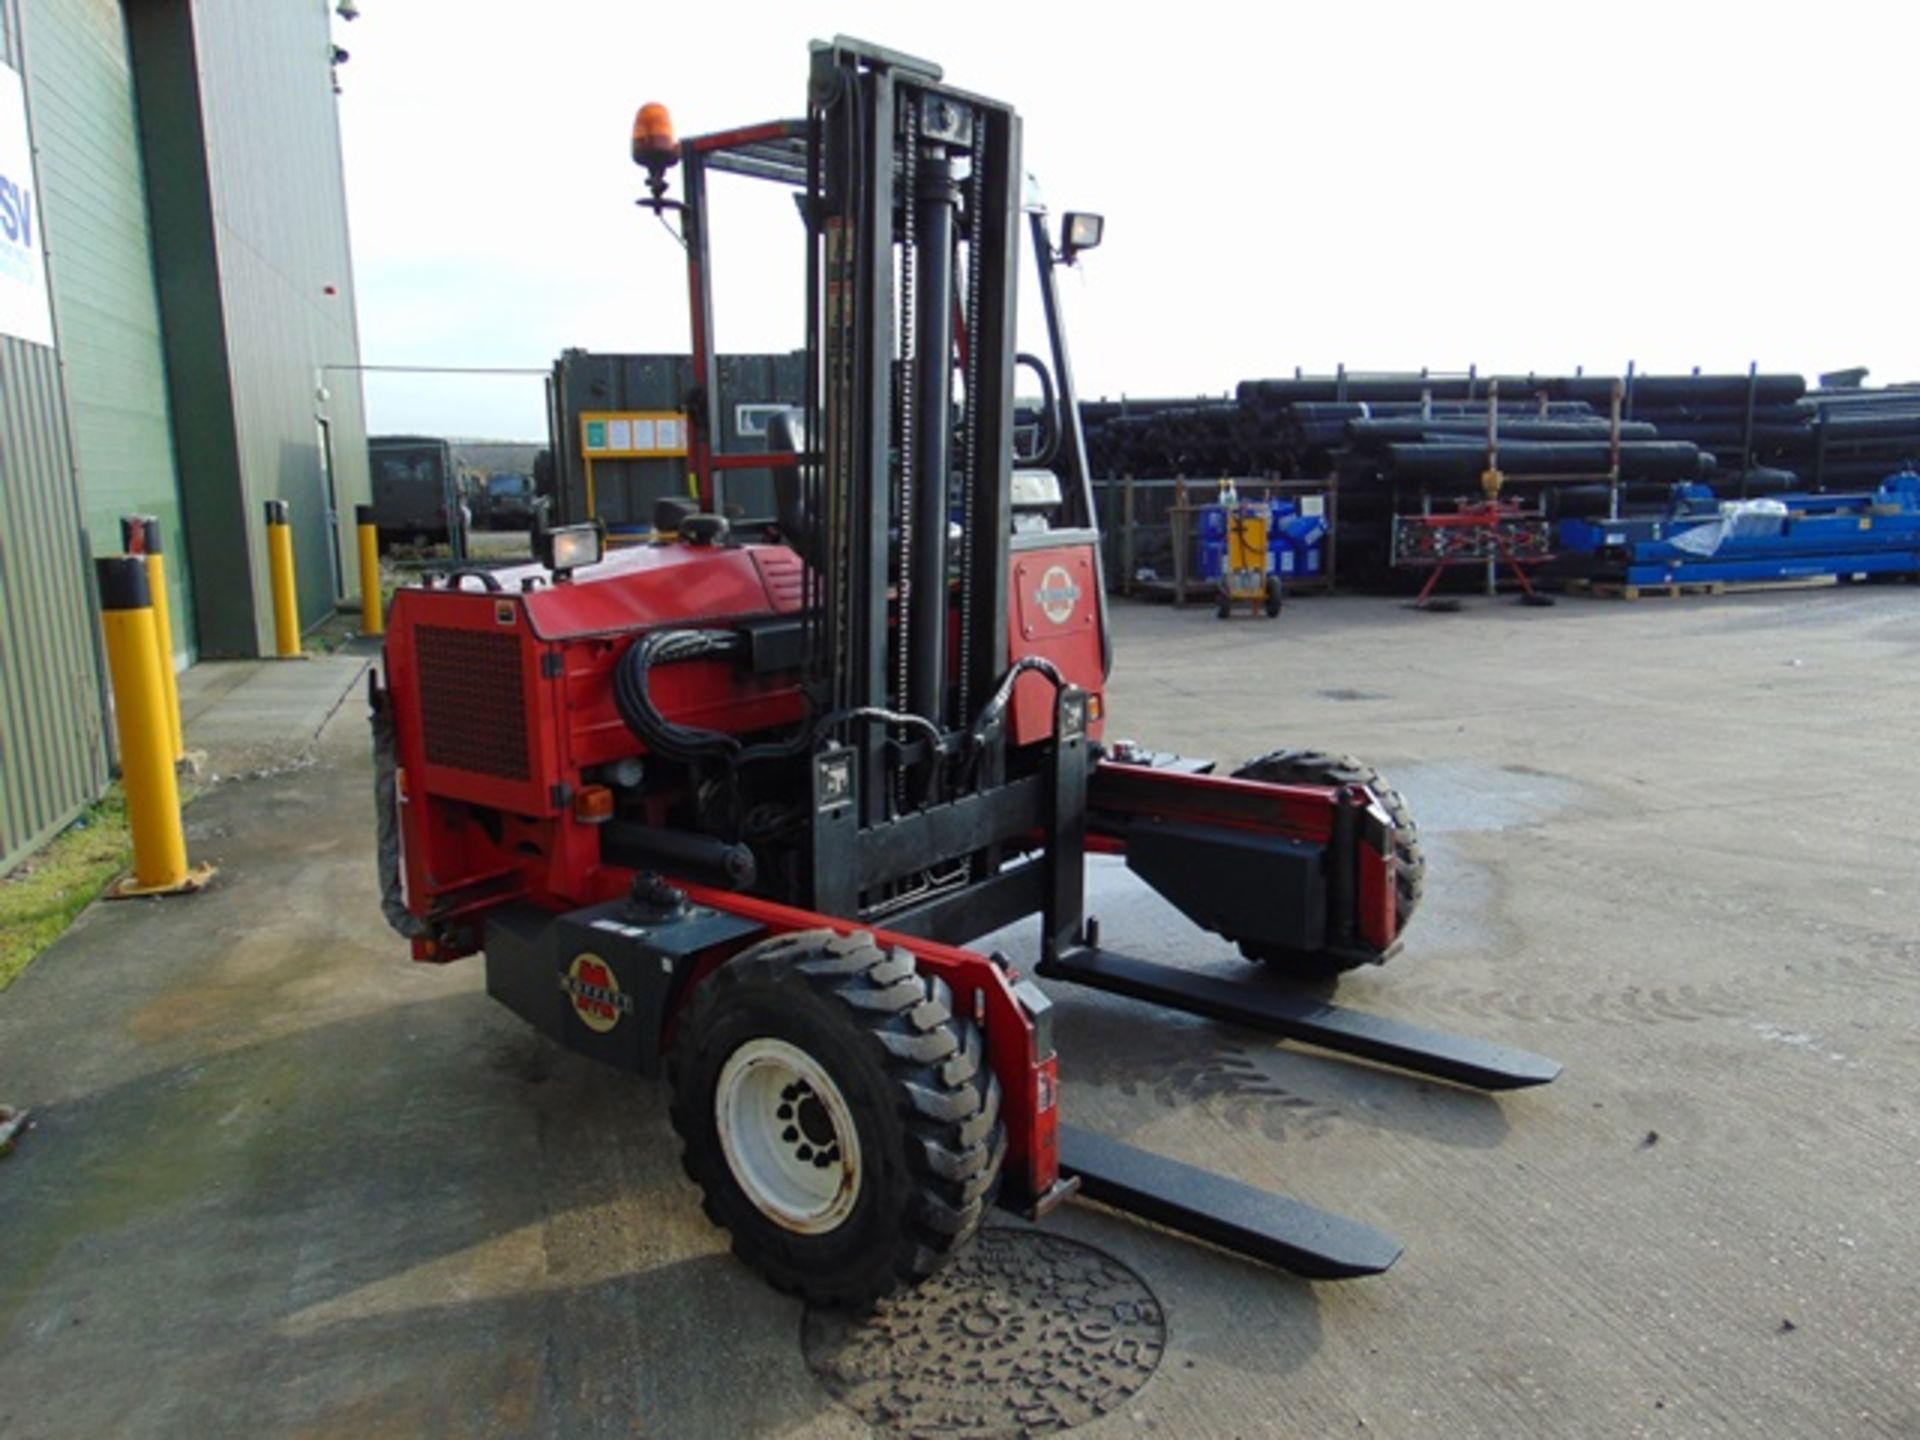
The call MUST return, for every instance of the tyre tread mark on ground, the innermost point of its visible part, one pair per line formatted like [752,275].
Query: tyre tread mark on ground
[1181,1067]
[1229,1083]
[1630,1005]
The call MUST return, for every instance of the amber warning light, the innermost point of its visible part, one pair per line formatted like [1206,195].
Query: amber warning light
[654,146]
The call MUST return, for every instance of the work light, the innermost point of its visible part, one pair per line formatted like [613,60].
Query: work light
[570,547]
[1079,230]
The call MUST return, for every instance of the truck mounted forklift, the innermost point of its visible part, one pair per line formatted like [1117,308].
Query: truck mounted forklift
[731,805]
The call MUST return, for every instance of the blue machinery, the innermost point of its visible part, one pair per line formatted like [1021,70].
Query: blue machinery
[1704,540]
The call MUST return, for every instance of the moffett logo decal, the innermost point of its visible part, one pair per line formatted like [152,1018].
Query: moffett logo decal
[1057,595]
[596,996]
[16,212]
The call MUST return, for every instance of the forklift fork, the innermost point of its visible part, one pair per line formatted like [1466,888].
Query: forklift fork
[1294,1015]
[1257,1223]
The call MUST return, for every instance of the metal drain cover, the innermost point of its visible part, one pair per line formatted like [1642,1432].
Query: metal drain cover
[1026,1334]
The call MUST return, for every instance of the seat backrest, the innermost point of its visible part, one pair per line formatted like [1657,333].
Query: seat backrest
[787,434]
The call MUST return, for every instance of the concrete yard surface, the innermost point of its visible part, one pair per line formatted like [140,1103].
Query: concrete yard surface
[245,716]
[284,1182]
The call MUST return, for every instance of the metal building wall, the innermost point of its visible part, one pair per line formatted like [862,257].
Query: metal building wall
[281,226]
[53,757]
[256,287]
[100,256]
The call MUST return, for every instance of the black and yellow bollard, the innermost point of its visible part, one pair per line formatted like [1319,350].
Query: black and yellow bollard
[146,744]
[373,609]
[286,600]
[140,535]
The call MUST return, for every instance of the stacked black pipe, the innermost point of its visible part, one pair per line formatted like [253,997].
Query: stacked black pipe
[1398,442]
[1844,438]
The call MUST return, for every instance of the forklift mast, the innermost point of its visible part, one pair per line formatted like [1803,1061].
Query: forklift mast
[901,498]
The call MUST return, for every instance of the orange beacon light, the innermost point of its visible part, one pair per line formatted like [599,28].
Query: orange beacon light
[654,145]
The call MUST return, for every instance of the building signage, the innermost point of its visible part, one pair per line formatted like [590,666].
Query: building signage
[23,269]
[633,434]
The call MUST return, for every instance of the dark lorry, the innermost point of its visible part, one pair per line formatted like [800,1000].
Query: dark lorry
[416,495]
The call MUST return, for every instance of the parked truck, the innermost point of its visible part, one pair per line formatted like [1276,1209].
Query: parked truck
[416,491]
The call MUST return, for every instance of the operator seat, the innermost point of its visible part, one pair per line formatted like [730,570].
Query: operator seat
[787,435]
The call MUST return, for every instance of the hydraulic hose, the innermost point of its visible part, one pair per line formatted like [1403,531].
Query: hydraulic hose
[993,713]
[635,704]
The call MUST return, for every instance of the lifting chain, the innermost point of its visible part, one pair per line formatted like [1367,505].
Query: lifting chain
[971,463]
[909,236]
[841,239]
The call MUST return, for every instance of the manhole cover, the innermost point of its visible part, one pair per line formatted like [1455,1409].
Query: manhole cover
[1026,1334]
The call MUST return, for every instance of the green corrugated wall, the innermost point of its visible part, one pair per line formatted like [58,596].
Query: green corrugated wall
[53,757]
[195,321]
[100,262]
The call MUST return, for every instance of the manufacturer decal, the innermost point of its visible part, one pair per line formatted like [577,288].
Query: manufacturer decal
[16,213]
[1057,594]
[24,310]
[596,995]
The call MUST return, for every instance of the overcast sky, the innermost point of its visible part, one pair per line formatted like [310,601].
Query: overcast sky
[1517,186]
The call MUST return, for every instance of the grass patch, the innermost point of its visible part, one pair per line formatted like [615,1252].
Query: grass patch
[41,896]
[336,631]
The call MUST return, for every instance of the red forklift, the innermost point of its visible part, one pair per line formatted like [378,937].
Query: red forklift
[731,806]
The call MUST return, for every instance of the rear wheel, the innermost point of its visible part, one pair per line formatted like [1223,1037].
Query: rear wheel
[1318,767]
[836,1114]
[1273,597]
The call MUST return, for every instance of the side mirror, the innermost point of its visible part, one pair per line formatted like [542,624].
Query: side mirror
[1079,230]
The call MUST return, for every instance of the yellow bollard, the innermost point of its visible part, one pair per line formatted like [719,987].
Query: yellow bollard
[373,610]
[146,759]
[140,535]
[286,601]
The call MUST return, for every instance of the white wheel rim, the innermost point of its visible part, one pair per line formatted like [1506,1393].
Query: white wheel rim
[788,1136]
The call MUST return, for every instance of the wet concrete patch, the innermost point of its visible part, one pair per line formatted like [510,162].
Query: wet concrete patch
[1451,797]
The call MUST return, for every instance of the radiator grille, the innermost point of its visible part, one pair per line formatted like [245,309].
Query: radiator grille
[473,709]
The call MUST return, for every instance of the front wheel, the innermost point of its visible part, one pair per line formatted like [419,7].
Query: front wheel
[1273,597]
[836,1114]
[1316,767]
